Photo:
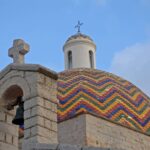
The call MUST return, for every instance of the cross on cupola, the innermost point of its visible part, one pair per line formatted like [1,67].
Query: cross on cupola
[78,26]
[17,52]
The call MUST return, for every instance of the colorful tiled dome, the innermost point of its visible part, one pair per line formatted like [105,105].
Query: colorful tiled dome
[104,95]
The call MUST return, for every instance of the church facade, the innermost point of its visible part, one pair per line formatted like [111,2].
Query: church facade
[81,108]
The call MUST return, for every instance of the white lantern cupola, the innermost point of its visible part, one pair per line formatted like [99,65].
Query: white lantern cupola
[79,51]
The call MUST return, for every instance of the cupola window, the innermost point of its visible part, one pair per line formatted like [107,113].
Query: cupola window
[69,60]
[91,59]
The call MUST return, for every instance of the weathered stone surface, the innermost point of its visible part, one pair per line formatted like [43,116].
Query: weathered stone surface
[2,116]
[101,133]
[9,118]
[45,147]
[29,68]
[32,141]
[8,128]
[40,131]
[68,147]
[9,138]
[6,146]
[87,130]
[98,148]
[17,52]
[15,141]
[74,131]
[40,110]
[35,101]
[2,136]
[27,114]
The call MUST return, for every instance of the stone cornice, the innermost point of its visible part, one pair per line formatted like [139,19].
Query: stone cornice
[29,67]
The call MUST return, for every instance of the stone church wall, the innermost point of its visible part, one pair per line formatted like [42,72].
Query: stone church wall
[88,130]
[66,147]
[74,131]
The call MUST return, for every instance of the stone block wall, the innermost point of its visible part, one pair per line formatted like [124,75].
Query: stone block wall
[40,110]
[8,132]
[102,133]
[88,130]
[73,131]
[40,120]
[66,147]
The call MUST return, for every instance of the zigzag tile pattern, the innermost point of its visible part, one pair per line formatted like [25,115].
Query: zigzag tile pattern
[104,95]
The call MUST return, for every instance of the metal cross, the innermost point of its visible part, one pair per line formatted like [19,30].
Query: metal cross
[78,26]
[17,52]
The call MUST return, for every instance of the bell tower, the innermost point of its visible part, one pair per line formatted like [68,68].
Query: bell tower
[28,102]
[79,51]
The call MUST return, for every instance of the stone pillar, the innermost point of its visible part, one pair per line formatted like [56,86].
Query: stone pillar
[8,131]
[40,111]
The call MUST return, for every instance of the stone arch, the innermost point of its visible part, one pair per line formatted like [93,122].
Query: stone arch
[11,94]
[13,87]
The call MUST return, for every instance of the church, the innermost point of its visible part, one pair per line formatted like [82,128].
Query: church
[80,108]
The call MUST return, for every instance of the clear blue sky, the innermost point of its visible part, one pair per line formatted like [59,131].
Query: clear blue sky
[116,26]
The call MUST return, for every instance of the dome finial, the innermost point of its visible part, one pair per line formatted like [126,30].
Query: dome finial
[78,26]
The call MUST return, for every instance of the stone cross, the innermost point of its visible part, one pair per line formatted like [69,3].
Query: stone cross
[17,52]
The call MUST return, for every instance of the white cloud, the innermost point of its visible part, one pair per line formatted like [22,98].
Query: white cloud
[133,64]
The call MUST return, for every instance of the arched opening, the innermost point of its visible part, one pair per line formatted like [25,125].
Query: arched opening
[69,60]
[91,57]
[10,100]
[12,93]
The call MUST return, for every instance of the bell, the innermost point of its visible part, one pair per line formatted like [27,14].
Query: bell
[19,120]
